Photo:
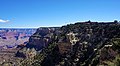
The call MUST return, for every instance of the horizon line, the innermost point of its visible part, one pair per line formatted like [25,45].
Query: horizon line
[62,24]
[31,27]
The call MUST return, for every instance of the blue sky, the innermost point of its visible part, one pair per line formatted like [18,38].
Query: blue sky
[46,13]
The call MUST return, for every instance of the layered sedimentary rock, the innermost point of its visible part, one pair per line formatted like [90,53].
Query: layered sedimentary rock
[11,37]
[41,38]
[79,44]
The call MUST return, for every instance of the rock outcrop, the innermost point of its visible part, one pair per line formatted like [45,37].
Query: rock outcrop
[41,38]
[79,44]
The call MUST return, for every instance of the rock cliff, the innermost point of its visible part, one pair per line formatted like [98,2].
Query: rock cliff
[79,44]
[41,38]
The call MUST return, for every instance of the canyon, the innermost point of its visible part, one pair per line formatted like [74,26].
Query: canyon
[12,37]
[80,44]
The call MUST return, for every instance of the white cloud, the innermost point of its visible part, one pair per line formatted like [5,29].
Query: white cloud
[4,21]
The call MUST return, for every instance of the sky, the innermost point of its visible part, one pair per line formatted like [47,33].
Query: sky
[54,13]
